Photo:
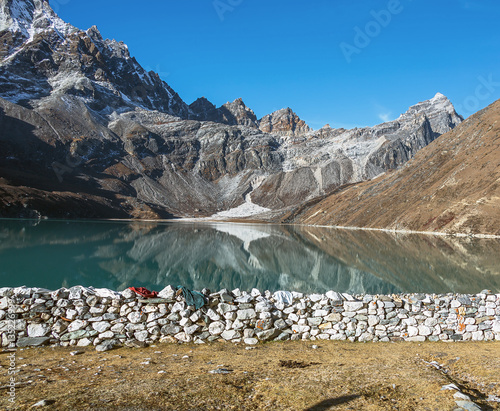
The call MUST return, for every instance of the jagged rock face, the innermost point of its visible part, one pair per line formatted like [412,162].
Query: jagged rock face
[42,56]
[80,115]
[284,122]
[235,113]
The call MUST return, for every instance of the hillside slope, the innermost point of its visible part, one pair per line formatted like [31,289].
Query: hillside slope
[452,185]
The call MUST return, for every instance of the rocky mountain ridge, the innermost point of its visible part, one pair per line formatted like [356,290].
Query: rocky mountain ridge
[80,117]
[451,186]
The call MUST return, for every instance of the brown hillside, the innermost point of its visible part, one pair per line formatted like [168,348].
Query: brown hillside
[452,185]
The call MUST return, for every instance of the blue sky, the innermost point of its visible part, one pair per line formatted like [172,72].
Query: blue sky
[343,62]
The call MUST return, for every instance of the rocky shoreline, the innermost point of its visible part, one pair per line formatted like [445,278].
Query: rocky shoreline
[81,316]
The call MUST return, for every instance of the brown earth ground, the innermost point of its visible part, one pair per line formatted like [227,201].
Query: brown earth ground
[273,376]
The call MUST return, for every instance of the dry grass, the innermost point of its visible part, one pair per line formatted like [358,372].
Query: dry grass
[336,375]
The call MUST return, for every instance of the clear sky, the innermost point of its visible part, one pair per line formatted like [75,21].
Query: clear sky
[343,62]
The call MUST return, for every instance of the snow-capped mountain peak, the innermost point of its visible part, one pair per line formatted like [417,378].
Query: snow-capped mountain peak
[27,18]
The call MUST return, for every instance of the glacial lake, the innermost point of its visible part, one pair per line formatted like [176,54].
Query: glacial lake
[116,255]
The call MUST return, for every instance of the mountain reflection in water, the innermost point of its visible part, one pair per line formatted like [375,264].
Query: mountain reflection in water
[116,255]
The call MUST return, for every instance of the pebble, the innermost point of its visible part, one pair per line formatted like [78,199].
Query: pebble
[43,403]
[220,371]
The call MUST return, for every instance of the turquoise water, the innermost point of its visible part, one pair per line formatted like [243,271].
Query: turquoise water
[117,255]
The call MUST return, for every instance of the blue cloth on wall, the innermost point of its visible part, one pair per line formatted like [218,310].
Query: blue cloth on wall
[194,298]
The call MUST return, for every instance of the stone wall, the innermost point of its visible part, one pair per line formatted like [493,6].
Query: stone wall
[82,316]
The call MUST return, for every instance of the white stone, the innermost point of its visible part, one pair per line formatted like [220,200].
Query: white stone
[136,317]
[77,325]
[412,331]
[416,338]
[178,306]
[230,316]
[106,335]
[255,292]
[168,293]
[424,330]
[84,342]
[320,313]
[141,335]
[365,337]
[182,336]
[247,314]
[184,322]
[191,329]
[128,294]
[353,305]
[230,334]
[316,297]
[430,322]
[101,326]
[38,330]
[263,307]
[213,315]
[216,327]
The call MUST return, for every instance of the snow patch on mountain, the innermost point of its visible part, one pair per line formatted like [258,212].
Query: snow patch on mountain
[246,209]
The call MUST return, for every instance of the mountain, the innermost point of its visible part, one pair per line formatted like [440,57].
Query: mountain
[284,122]
[81,120]
[452,186]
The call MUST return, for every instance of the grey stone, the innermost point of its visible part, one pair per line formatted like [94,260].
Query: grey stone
[244,299]
[263,307]
[76,335]
[468,405]
[226,297]
[170,329]
[268,334]
[283,337]
[133,343]
[106,345]
[191,329]
[224,308]
[32,341]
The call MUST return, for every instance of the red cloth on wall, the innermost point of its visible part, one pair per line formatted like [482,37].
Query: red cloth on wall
[144,292]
